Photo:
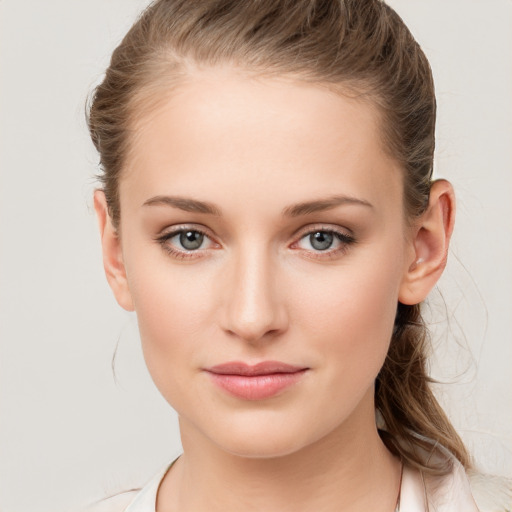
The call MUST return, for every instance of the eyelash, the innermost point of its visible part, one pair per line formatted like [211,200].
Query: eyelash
[345,240]
[176,253]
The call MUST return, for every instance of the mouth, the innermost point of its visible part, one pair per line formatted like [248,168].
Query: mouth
[255,382]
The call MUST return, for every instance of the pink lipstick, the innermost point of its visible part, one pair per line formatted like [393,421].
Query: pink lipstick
[256,382]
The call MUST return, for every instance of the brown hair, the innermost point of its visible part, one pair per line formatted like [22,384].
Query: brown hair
[356,46]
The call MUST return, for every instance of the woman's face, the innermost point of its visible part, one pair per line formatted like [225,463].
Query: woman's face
[264,244]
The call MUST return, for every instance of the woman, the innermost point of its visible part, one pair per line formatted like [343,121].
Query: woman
[268,211]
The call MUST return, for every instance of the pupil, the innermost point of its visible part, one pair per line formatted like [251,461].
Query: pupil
[321,240]
[191,239]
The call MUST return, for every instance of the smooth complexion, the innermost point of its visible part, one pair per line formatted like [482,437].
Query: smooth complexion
[262,223]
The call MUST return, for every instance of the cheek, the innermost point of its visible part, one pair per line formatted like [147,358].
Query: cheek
[173,315]
[353,310]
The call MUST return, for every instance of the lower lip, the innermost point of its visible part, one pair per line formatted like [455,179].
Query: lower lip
[256,387]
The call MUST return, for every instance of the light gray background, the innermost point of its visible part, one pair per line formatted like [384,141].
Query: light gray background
[68,431]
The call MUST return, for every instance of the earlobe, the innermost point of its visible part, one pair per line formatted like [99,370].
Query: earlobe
[112,253]
[431,240]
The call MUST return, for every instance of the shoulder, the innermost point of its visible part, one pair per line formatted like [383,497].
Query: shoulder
[135,500]
[488,493]
[459,490]
[492,493]
[117,503]
[451,490]
[456,490]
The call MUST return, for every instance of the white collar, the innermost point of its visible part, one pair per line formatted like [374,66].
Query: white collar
[418,493]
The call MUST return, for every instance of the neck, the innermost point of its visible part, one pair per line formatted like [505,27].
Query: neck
[348,470]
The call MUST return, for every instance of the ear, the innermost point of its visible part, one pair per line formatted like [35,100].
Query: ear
[431,238]
[112,253]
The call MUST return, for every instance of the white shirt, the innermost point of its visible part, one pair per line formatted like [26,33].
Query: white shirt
[419,493]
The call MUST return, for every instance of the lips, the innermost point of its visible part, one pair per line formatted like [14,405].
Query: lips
[255,382]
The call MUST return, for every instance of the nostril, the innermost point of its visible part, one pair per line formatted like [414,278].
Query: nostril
[265,327]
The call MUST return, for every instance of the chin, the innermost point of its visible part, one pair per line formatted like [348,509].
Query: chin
[267,439]
[262,448]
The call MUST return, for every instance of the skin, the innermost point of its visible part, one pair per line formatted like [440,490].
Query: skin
[258,290]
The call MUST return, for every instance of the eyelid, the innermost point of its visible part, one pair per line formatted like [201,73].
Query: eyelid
[345,238]
[313,228]
[171,231]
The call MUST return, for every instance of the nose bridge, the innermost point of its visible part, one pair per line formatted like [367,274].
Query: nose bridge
[254,308]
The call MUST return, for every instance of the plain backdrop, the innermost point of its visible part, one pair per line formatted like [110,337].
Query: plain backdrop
[69,431]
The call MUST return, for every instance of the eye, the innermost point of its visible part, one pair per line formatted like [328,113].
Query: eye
[330,242]
[185,242]
[321,240]
[189,240]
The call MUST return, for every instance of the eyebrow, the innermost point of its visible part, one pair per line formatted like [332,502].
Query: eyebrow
[322,205]
[184,203]
[192,205]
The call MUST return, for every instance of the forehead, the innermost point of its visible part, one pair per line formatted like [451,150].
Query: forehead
[258,134]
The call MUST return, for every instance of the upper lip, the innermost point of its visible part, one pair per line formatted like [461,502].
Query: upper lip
[263,368]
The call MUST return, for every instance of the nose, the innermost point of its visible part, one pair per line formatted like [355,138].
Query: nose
[255,308]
